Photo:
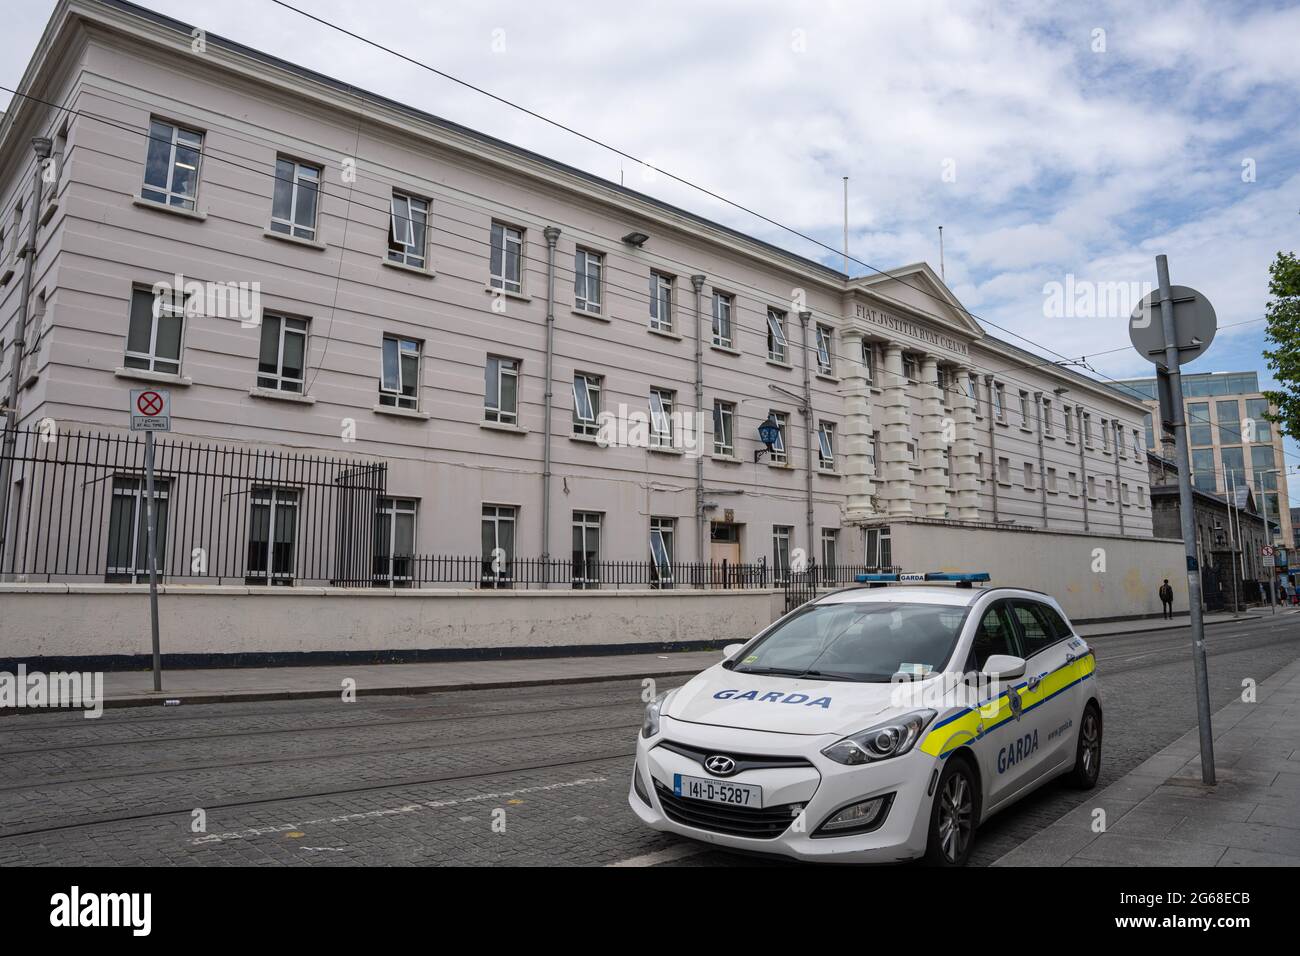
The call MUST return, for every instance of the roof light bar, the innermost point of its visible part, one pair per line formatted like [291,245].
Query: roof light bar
[960,578]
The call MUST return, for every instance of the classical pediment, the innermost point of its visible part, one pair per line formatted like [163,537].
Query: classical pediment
[913,293]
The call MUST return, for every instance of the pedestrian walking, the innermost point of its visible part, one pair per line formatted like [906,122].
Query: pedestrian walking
[1167,600]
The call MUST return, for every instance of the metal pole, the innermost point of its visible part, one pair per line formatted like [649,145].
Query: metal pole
[846,225]
[697,281]
[1083,466]
[552,234]
[808,425]
[41,146]
[1118,433]
[1188,520]
[1042,460]
[151,520]
[993,449]
[1268,539]
[1232,505]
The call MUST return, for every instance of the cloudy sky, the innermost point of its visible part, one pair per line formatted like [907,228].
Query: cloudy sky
[1048,140]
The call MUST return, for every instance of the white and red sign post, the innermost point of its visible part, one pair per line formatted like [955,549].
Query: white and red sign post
[151,411]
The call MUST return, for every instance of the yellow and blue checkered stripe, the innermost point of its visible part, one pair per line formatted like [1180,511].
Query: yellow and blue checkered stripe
[973,723]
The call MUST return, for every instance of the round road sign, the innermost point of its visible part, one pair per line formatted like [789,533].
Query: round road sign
[1194,325]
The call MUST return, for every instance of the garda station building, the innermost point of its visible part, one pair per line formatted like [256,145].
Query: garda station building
[392,342]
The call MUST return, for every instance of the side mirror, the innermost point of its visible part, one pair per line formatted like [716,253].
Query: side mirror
[731,650]
[1004,667]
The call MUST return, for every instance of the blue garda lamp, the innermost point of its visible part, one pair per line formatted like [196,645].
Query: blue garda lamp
[768,433]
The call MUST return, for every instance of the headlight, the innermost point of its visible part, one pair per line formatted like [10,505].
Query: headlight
[891,739]
[650,723]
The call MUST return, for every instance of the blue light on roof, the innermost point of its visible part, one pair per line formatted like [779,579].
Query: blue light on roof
[955,577]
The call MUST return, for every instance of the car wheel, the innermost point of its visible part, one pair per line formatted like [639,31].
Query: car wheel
[952,819]
[1087,760]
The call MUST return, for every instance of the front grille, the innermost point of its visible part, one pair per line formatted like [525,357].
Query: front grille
[743,761]
[766,823]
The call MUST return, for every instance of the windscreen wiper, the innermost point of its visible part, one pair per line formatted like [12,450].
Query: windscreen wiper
[830,675]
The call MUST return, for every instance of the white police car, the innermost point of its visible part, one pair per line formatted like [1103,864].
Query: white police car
[874,724]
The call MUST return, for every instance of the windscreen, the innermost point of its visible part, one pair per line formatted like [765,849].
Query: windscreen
[868,642]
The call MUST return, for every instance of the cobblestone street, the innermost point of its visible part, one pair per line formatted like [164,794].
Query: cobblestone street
[534,776]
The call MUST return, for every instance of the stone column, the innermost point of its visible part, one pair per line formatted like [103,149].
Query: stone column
[966,494]
[934,486]
[895,432]
[855,443]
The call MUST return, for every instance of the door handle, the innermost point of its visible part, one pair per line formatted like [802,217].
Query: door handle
[1033,682]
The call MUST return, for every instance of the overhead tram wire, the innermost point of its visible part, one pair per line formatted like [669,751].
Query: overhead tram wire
[639,293]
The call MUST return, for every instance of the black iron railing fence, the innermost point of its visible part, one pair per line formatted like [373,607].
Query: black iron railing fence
[225,514]
[238,515]
[501,571]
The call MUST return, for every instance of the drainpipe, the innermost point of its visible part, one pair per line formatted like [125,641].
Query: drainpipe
[807,410]
[41,146]
[1119,497]
[552,234]
[698,282]
[1083,468]
[993,448]
[1042,460]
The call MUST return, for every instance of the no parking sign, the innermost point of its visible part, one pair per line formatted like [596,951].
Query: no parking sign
[151,410]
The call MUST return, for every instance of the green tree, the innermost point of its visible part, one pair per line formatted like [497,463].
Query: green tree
[1283,333]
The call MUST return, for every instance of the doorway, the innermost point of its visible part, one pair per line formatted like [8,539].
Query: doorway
[724,553]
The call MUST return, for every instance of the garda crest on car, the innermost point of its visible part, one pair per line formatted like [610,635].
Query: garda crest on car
[1015,703]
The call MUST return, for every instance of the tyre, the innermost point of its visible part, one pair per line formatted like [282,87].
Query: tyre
[953,816]
[1087,759]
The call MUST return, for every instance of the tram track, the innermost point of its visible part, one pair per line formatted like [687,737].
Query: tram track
[286,797]
[36,721]
[1121,660]
[345,726]
[183,768]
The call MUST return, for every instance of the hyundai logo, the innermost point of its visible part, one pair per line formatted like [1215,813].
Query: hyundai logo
[719,765]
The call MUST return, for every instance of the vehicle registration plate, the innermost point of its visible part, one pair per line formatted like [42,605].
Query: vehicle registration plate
[717,791]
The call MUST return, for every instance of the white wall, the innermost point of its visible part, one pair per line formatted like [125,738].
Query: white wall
[1059,564]
[93,620]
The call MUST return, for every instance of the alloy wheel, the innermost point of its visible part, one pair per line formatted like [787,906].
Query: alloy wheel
[1091,744]
[956,810]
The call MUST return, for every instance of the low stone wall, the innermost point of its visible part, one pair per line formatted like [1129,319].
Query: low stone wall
[1061,564]
[107,626]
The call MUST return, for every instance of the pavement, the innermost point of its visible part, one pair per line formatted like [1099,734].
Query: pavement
[1162,814]
[229,684]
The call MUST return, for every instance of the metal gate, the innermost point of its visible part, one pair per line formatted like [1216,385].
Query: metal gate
[800,588]
[804,586]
